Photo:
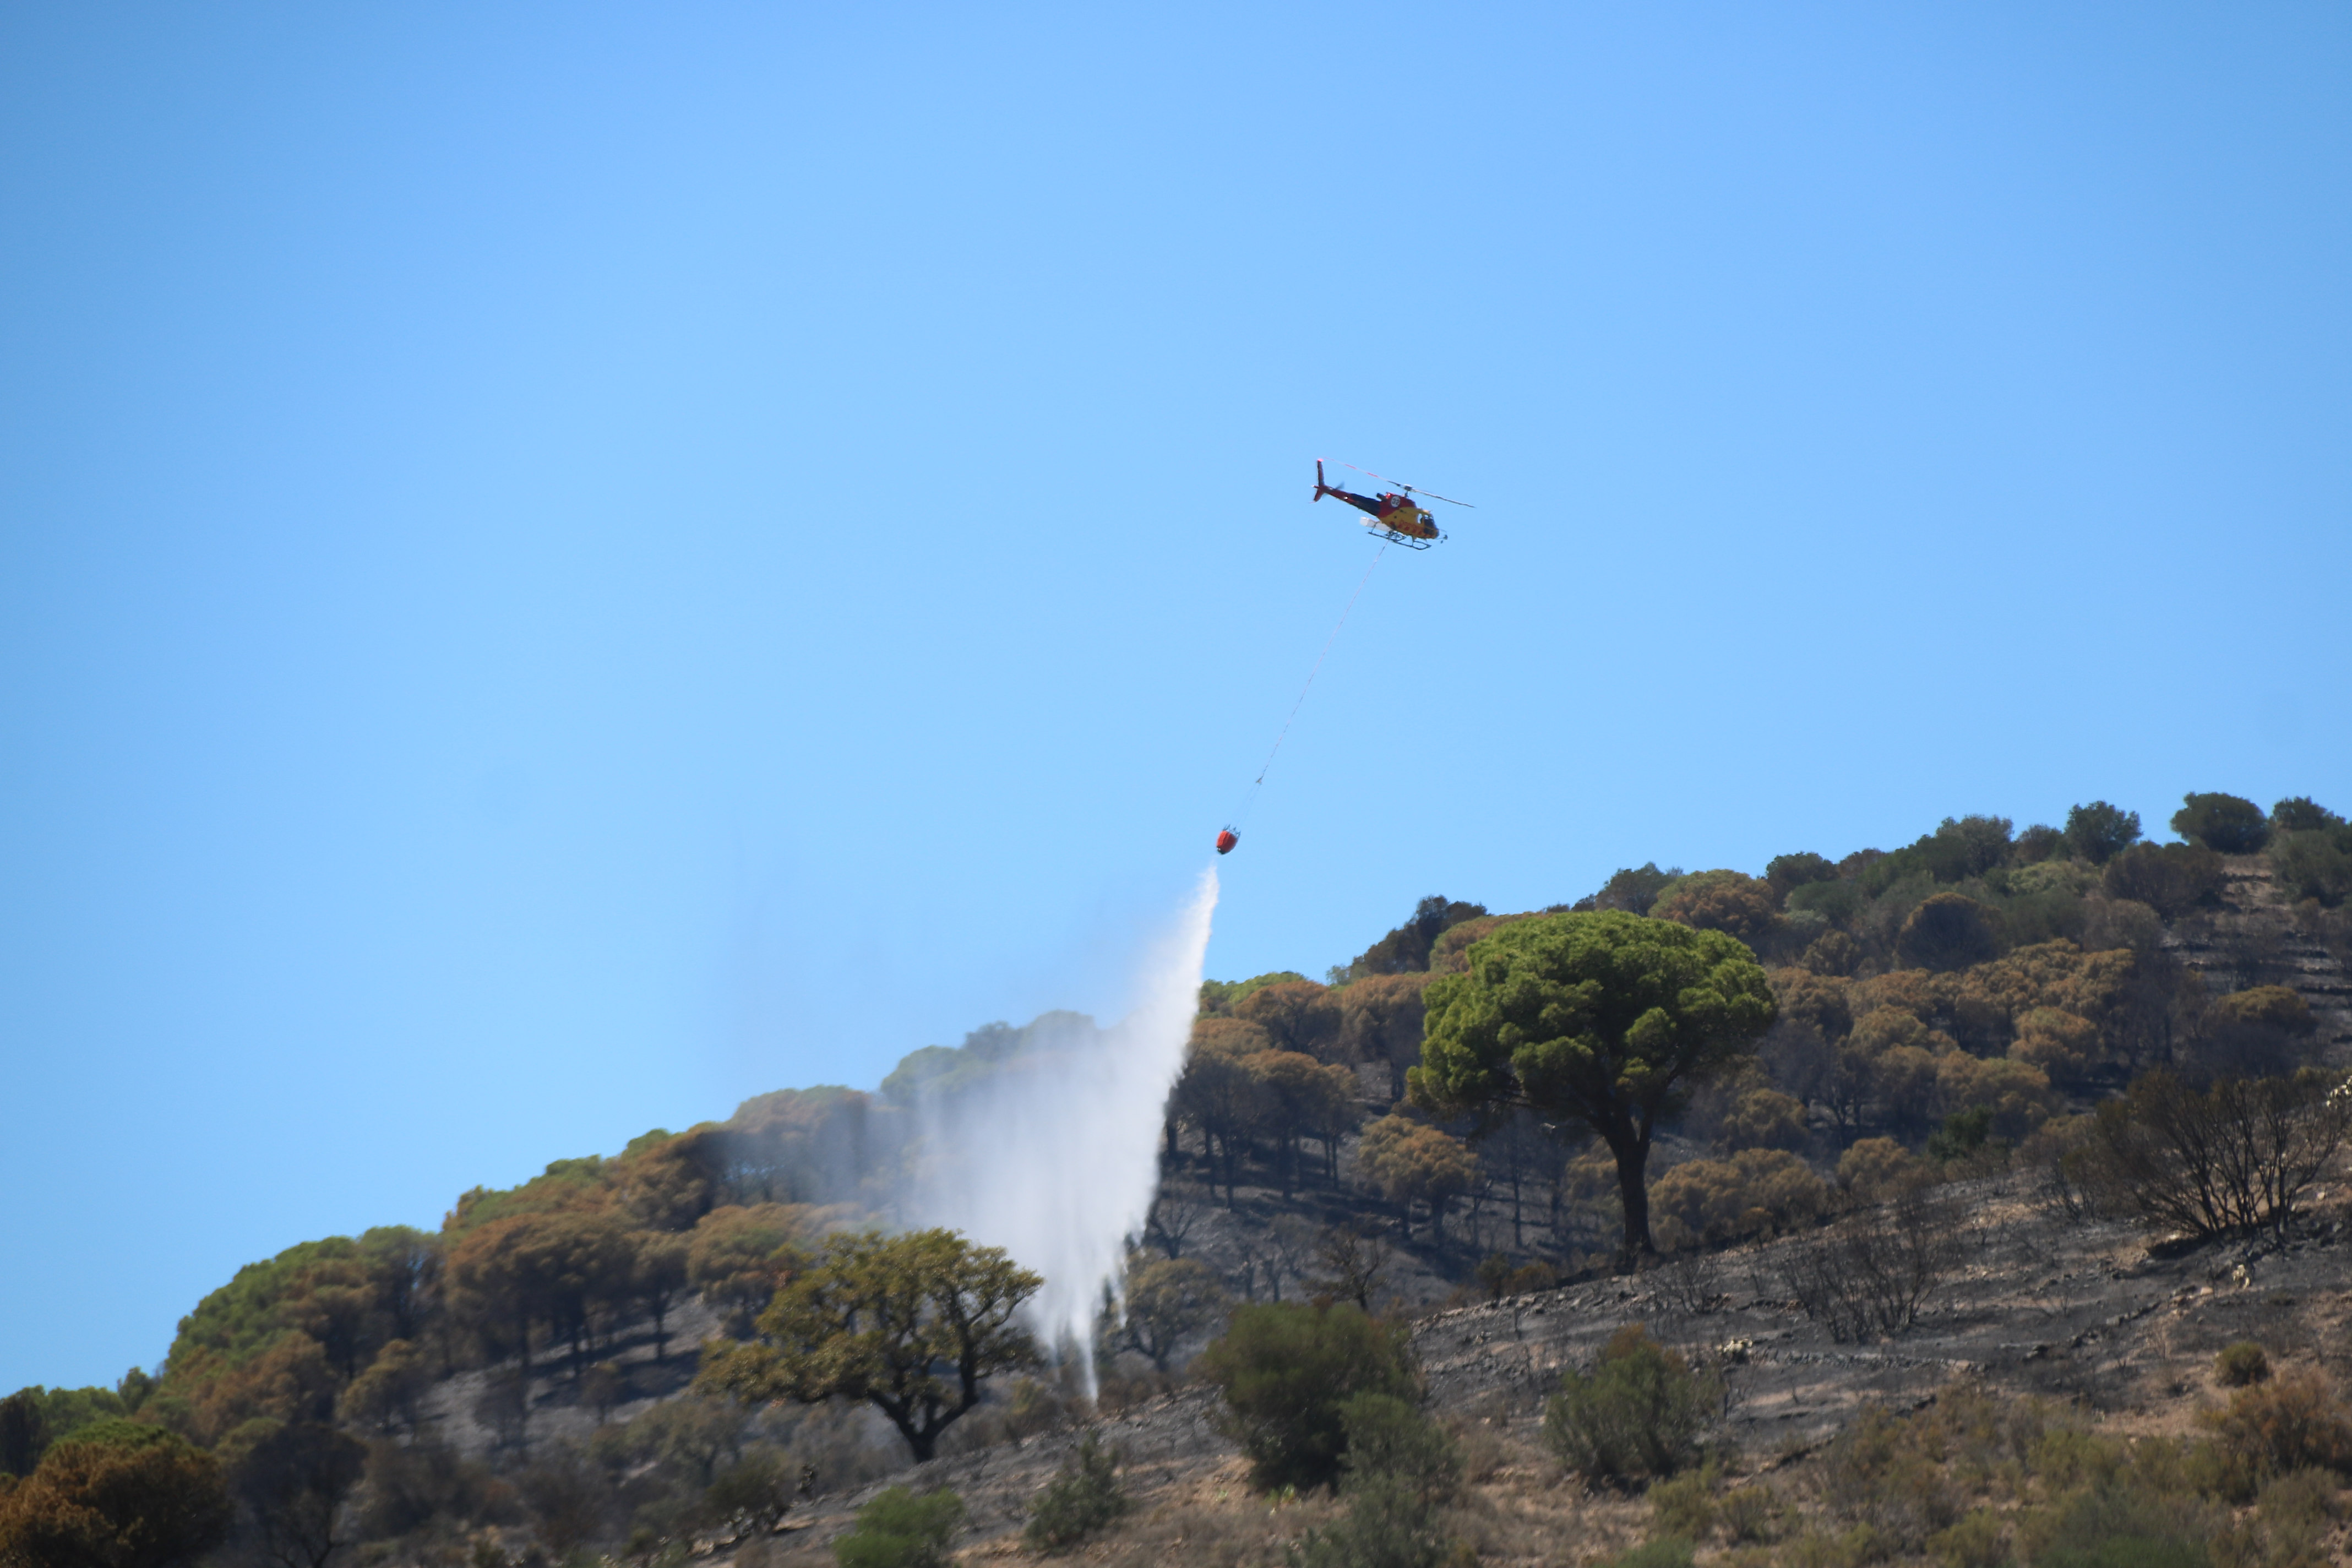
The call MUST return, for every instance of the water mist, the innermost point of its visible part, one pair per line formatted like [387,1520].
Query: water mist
[1056,1160]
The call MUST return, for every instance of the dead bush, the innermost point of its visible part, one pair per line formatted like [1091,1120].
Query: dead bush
[2235,1157]
[1870,1277]
[1690,1281]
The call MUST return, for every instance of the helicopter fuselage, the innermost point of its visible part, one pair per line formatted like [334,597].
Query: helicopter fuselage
[1397,513]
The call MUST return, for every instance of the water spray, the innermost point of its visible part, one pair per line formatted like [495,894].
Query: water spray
[1057,1161]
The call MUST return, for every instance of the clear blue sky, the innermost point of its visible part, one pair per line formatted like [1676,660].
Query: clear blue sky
[561,566]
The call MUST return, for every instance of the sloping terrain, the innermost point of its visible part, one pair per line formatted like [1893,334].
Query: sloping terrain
[2257,938]
[2034,1303]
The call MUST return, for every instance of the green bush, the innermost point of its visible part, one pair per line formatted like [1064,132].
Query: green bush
[2313,863]
[1683,1507]
[901,1530]
[2119,1526]
[1975,1541]
[1400,1466]
[1963,1133]
[2241,1365]
[1386,1526]
[1638,1413]
[1285,1370]
[1388,1436]
[1082,1500]
[1747,1513]
[2301,813]
[2226,824]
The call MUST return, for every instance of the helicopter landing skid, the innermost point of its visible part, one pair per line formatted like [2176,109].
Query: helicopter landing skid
[1407,540]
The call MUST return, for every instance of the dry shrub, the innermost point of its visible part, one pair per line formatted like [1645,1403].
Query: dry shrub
[2241,1365]
[2045,1153]
[1756,1190]
[2015,1094]
[1747,1513]
[1889,1474]
[2061,1043]
[1874,1166]
[1241,1532]
[1976,1542]
[1765,1118]
[1689,1281]
[1684,1505]
[2287,1425]
[1870,1277]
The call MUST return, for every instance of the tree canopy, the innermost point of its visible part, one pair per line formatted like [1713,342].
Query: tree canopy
[912,1324]
[1605,1018]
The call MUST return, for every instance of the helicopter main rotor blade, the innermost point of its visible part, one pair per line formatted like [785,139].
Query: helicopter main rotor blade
[1433,495]
[1408,490]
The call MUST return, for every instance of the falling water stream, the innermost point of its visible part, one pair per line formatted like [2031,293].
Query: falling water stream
[1056,1161]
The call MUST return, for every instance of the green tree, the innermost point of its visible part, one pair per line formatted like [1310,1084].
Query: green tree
[912,1324]
[2225,824]
[2301,813]
[1605,1019]
[1287,1370]
[1399,1467]
[403,1266]
[1169,1300]
[1393,1437]
[2099,832]
[118,1495]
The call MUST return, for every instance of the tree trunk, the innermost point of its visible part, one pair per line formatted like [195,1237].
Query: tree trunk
[1632,1187]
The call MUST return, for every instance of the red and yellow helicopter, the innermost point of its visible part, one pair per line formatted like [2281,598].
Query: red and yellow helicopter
[1395,514]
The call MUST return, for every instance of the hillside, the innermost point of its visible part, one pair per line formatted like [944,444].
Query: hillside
[2038,1306]
[1954,1026]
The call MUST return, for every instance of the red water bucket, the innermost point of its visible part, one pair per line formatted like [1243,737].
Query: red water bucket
[1226,840]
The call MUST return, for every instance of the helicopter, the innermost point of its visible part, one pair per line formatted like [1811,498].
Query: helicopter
[1398,517]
